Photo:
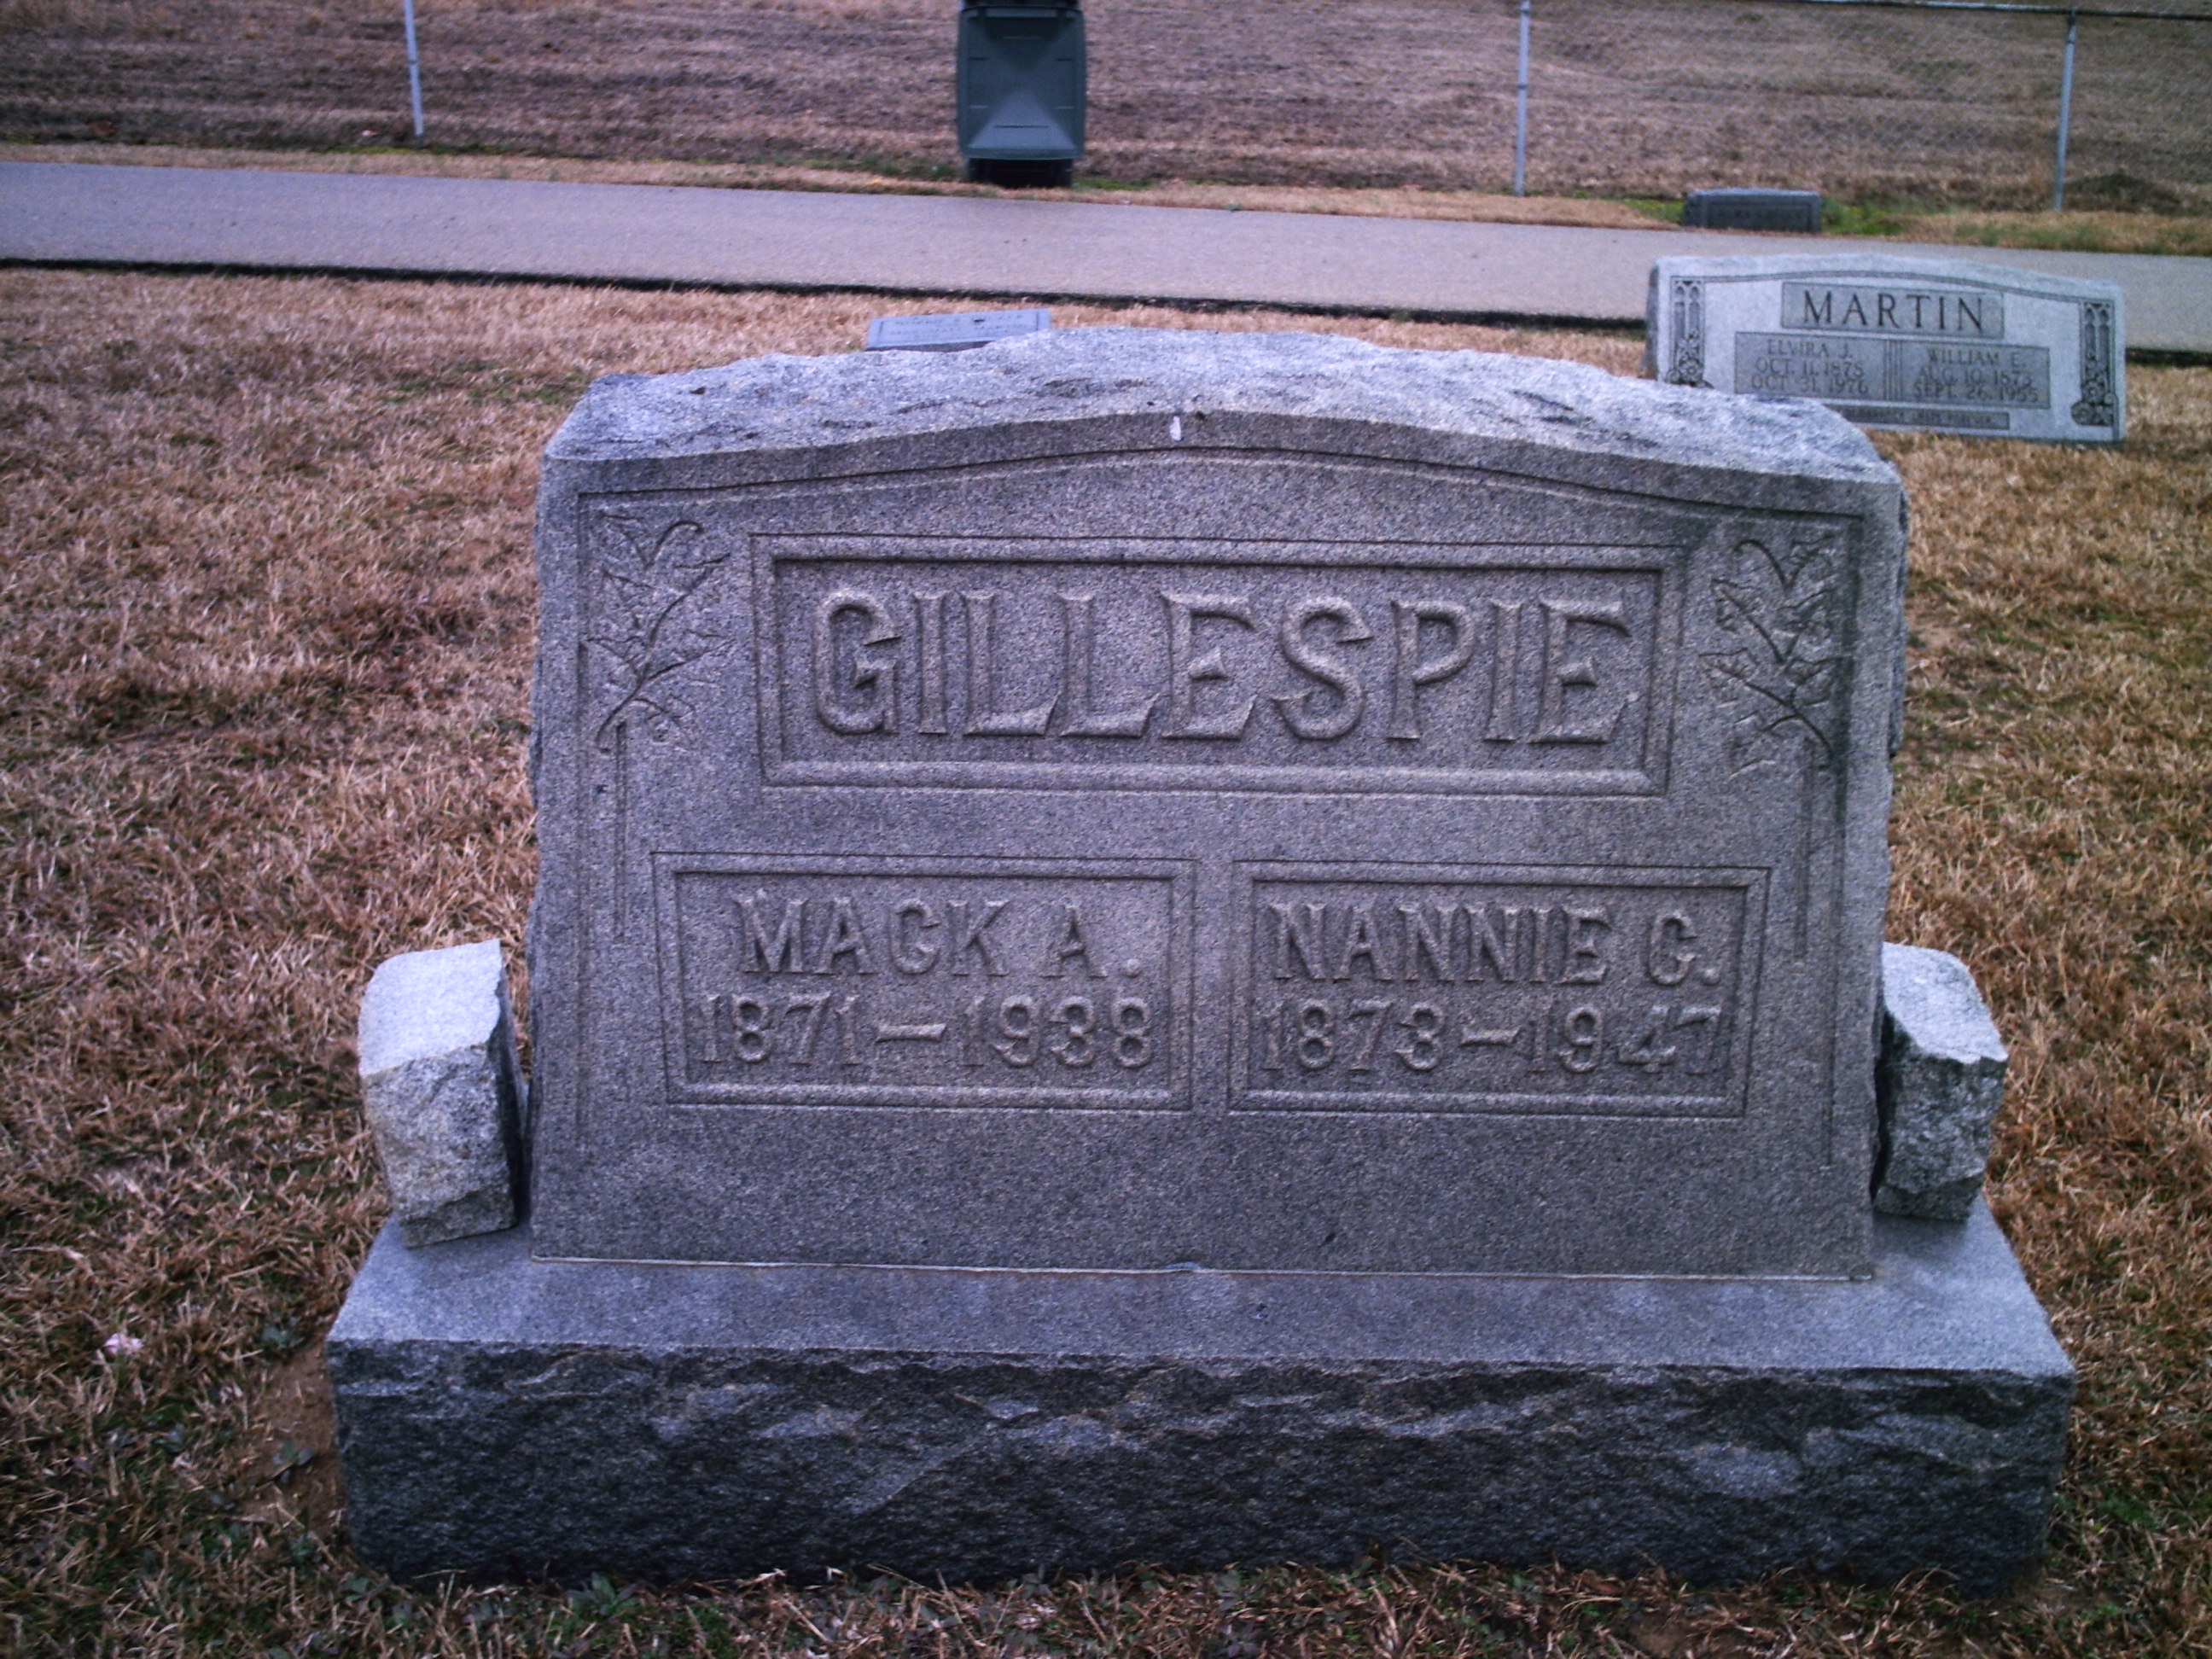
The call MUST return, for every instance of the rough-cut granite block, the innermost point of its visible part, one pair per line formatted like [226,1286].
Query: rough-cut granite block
[1941,1084]
[505,1417]
[444,1092]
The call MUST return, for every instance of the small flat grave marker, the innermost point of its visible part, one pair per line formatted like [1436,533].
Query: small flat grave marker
[1752,209]
[962,331]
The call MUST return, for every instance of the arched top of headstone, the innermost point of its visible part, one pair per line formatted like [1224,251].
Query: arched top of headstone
[784,403]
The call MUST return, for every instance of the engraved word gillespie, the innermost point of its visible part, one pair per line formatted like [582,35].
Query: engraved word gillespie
[1193,666]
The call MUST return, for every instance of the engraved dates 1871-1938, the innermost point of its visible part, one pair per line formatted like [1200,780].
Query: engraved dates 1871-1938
[1092,664]
[1604,992]
[907,983]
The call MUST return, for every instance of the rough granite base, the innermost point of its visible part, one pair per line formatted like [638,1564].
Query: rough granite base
[500,1416]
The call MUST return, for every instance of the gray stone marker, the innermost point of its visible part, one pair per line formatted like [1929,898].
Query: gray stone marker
[1206,947]
[1130,797]
[956,331]
[1734,209]
[444,1092]
[1921,345]
[1940,1084]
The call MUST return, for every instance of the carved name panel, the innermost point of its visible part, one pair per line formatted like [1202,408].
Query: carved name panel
[1129,799]
[859,983]
[1917,344]
[1416,990]
[1122,665]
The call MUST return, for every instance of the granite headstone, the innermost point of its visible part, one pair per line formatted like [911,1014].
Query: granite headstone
[1196,948]
[1920,345]
[1136,798]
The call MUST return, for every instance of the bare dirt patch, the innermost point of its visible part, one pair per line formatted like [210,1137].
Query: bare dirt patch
[1629,99]
[264,559]
[289,1476]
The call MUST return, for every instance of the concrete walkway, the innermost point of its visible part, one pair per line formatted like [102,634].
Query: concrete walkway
[85,214]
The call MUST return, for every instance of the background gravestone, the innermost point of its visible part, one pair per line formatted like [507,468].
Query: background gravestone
[1737,208]
[1197,948]
[1922,345]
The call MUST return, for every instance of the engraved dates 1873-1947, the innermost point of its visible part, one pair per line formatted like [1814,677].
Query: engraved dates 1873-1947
[905,983]
[1412,990]
[1090,663]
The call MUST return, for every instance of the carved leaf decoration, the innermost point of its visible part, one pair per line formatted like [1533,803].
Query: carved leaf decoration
[686,547]
[1737,606]
[1783,685]
[1753,738]
[1807,618]
[1790,565]
[1817,680]
[1767,728]
[650,573]
[1732,673]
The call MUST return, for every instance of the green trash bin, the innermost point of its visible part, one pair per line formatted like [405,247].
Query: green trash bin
[1021,91]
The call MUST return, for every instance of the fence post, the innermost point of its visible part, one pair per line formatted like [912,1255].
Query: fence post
[415,69]
[1521,111]
[2065,112]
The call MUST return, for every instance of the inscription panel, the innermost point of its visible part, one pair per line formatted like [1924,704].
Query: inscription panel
[873,982]
[1404,989]
[1119,664]
[1838,368]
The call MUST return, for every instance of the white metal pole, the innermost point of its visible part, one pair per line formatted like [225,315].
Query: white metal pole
[2065,112]
[1521,111]
[413,69]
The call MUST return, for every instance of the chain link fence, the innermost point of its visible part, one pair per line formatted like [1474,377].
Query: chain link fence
[1928,103]
[1958,103]
[1932,103]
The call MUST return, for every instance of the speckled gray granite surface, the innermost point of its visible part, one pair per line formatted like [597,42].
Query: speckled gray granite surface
[500,1416]
[777,403]
[443,1090]
[1385,774]
[1294,928]
[1940,1086]
[1916,345]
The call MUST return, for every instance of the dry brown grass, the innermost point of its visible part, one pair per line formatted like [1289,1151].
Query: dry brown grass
[2088,230]
[1630,98]
[264,546]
